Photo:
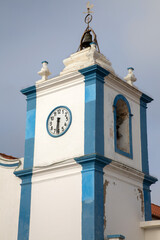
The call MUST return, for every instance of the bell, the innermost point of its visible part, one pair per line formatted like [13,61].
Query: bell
[87,40]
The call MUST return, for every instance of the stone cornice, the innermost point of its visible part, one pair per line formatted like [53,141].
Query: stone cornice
[134,93]
[59,82]
[29,91]
[117,83]
[150,224]
[129,172]
[54,167]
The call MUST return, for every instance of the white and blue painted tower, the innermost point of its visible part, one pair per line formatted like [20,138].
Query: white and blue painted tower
[85,174]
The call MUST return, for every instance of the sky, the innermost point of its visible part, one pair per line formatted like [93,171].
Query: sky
[32,31]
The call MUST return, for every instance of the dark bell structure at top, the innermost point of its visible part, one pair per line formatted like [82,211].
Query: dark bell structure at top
[88,38]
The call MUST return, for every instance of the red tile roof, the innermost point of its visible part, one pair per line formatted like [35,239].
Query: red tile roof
[7,156]
[155,210]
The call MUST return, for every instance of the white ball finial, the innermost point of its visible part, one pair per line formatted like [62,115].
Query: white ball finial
[44,71]
[130,78]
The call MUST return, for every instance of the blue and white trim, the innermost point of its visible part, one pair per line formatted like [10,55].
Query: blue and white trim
[10,165]
[25,201]
[92,195]
[93,161]
[148,180]
[94,109]
[130,154]
[118,236]
[143,126]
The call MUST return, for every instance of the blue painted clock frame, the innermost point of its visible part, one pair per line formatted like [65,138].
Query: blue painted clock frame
[67,126]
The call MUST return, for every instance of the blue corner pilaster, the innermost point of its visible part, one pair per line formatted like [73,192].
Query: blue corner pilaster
[92,196]
[148,180]
[94,109]
[25,203]
[30,126]
[143,126]
[26,174]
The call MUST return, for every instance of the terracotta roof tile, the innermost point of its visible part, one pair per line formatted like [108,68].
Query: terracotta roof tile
[155,210]
[7,156]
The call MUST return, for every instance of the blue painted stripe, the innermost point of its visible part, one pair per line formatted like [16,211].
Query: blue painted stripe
[148,180]
[9,164]
[100,117]
[90,93]
[26,187]
[147,203]
[90,125]
[92,173]
[30,124]
[144,158]
[29,153]
[143,127]
[94,109]
[115,236]
[92,196]
[25,205]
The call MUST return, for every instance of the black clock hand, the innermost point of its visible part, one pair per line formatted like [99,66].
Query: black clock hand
[57,127]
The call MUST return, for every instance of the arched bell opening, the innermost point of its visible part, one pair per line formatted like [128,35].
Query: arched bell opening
[122,126]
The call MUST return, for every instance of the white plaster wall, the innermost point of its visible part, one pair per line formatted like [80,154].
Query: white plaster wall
[123,206]
[152,234]
[49,149]
[56,204]
[10,190]
[109,96]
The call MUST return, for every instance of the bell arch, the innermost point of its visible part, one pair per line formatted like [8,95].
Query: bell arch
[122,126]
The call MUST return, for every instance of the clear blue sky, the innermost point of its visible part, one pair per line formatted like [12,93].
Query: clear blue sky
[33,31]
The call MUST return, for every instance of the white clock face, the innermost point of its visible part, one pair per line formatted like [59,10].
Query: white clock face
[59,120]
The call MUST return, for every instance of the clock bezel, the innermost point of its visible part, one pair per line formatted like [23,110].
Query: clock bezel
[55,136]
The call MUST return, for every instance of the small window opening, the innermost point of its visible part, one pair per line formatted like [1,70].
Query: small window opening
[122,126]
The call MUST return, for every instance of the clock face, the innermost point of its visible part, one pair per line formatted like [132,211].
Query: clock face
[59,121]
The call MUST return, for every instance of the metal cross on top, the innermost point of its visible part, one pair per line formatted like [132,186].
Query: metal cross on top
[88,18]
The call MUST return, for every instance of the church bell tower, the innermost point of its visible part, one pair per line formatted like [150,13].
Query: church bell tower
[85,173]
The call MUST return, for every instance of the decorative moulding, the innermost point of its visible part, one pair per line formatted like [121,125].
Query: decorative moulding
[150,224]
[57,83]
[124,170]
[55,167]
[116,83]
[11,162]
